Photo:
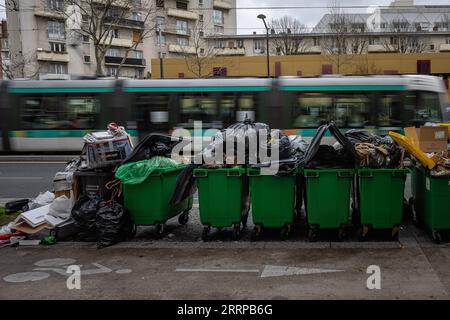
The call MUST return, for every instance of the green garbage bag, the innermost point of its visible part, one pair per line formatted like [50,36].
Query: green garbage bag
[138,172]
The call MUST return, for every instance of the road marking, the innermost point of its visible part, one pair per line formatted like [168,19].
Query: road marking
[280,271]
[21,178]
[219,270]
[268,271]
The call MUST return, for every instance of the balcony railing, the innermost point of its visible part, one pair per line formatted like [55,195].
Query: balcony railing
[128,61]
[130,23]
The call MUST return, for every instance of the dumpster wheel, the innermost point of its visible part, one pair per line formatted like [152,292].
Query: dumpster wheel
[342,234]
[313,234]
[285,232]
[256,235]
[436,234]
[205,233]
[236,232]
[183,218]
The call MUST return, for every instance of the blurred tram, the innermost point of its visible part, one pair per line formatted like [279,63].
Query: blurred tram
[52,116]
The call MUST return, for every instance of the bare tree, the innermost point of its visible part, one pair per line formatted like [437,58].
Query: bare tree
[288,38]
[98,20]
[22,65]
[404,38]
[199,54]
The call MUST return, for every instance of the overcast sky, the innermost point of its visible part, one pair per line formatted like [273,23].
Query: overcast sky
[247,21]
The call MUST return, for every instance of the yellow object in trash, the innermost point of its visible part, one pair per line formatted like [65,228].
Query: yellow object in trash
[413,150]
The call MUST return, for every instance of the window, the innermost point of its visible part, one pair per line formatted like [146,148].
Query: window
[316,41]
[313,109]
[373,40]
[448,40]
[87,59]
[139,54]
[258,46]
[113,52]
[160,23]
[56,4]
[58,68]
[114,33]
[136,16]
[60,112]
[218,29]
[182,41]
[217,16]
[181,26]
[432,47]
[428,107]
[112,71]
[139,74]
[160,3]
[56,30]
[182,5]
[383,25]
[200,18]
[57,47]
[240,43]
[389,112]
[201,107]
[202,33]
[85,38]
[202,50]
[220,44]
[352,110]
[200,2]
[161,40]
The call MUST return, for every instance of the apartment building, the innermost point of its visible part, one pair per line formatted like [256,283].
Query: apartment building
[46,42]
[401,27]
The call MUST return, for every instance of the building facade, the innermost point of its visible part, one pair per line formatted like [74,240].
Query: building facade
[46,42]
[401,27]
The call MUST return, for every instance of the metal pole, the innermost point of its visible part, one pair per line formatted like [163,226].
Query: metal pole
[268,56]
[161,62]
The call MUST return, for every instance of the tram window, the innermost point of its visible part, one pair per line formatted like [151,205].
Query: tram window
[197,108]
[390,110]
[227,109]
[428,107]
[246,106]
[314,110]
[60,112]
[352,111]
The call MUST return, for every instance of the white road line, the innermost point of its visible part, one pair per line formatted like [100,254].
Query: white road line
[219,270]
[21,178]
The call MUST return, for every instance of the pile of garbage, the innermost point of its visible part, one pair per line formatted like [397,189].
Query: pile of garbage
[429,146]
[375,151]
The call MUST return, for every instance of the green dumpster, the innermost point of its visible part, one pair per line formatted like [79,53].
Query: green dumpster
[223,199]
[273,201]
[380,199]
[327,200]
[148,202]
[431,198]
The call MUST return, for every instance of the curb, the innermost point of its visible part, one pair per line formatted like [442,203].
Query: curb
[35,158]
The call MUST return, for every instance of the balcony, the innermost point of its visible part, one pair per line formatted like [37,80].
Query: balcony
[131,62]
[117,42]
[380,48]
[125,4]
[220,4]
[183,14]
[53,56]
[175,48]
[230,52]
[126,23]
[313,50]
[444,47]
[172,29]
[49,14]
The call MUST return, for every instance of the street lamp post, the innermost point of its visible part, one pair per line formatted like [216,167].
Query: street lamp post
[263,18]
[161,57]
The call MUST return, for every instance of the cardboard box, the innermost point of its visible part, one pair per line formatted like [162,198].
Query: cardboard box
[428,139]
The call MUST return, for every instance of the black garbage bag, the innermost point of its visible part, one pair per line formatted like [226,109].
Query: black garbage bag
[17,205]
[322,156]
[113,224]
[154,144]
[185,185]
[84,213]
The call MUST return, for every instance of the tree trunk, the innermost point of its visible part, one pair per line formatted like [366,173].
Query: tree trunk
[99,56]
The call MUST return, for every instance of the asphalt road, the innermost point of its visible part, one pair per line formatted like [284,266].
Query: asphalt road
[26,179]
